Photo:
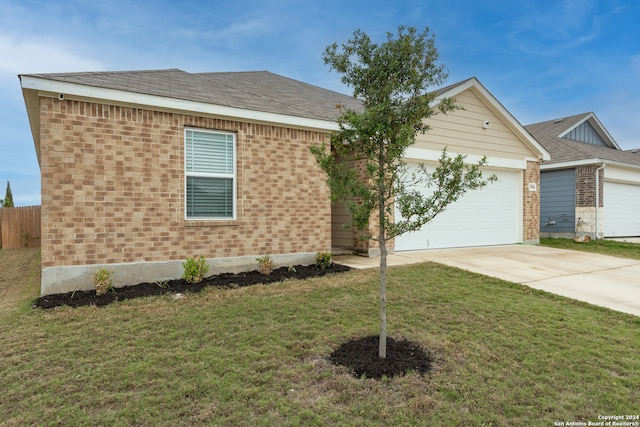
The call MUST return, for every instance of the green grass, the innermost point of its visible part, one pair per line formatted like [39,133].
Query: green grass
[505,355]
[600,246]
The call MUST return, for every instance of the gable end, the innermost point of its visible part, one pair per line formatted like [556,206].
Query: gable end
[586,133]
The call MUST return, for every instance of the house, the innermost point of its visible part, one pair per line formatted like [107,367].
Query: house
[587,165]
[142,169]
[504,212]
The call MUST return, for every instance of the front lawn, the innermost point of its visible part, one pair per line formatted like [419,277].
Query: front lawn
[600,246]
[503,355]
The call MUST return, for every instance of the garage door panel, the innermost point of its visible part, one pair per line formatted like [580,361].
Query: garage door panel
[621,210]
[489,216]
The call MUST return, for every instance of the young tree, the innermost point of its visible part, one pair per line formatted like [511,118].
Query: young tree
[365,164]
[8,198]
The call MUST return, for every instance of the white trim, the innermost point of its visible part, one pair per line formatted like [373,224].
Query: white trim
[570,164]
[597,207]
[599,128]
[423,154]
[474,84]
[520,218]
[622,175]
[208,175]
[586,162]
[165,103]
[621,164]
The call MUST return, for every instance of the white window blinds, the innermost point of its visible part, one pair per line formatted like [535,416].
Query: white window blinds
[210,174]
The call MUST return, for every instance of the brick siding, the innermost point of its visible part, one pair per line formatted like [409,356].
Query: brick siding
[531,203]
[586,186]
[113,188]
[362,244]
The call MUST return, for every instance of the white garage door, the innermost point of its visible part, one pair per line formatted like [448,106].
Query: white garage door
[621,210]
[490,216]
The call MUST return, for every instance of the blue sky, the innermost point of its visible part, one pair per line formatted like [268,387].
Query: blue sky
[541,59]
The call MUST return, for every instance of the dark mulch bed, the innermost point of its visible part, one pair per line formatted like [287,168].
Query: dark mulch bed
[225,280]
[361,357]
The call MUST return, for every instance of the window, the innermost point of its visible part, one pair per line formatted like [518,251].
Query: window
[210,174]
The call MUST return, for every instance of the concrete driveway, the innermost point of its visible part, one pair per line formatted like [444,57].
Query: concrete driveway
[597,279]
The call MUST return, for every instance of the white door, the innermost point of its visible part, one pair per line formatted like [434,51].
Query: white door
[490,216]
[621,210]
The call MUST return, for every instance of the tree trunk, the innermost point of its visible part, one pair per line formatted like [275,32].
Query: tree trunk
[382,345]
[382,244]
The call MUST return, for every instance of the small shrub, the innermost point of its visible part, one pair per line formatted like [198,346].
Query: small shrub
[102,281]
[195,269]
[265,264]
[324,259]
[164,284]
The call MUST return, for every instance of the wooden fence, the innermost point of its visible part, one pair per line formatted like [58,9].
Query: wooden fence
[20,227]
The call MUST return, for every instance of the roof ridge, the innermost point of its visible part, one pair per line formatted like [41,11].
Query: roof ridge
[233,72]
[447,88]
[561,119]
[95,73]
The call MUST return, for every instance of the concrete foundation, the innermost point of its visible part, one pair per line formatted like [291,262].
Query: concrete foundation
[80,277]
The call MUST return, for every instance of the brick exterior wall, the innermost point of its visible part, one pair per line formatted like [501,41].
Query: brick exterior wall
[113,188]
[586,186]
[531,204]
[364,245]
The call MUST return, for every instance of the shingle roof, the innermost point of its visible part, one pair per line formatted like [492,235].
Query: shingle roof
[256,90]
[446,89]
[566,150]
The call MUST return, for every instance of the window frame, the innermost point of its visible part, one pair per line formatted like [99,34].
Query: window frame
[233,175]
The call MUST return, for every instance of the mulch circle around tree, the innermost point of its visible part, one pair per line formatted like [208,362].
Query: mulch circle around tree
[180,286]
[361,357]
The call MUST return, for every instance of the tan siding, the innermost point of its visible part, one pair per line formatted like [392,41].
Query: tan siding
[461,131]
[340,237]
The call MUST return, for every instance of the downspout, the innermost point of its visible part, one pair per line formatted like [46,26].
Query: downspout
[598,197]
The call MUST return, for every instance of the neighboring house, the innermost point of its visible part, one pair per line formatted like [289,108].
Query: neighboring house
[504,212]
[142,169]
[587,165]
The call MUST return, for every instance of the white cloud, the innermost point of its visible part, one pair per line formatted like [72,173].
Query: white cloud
[35,55]
[242,30]
[556,27]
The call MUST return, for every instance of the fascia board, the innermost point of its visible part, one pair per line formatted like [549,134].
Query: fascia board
[474,84]
[457,89]
[599,162]
[599,128]
[571,164]
[568,130]
[603,132]
[164,103]
[33,114]
[422,154]
[621,165]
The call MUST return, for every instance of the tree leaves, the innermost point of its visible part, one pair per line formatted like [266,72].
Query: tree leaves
[364,162]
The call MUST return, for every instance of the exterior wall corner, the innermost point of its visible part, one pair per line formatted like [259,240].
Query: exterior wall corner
[531,202]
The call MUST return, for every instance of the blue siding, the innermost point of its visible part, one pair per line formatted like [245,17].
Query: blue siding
[558,201]
[586,133]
